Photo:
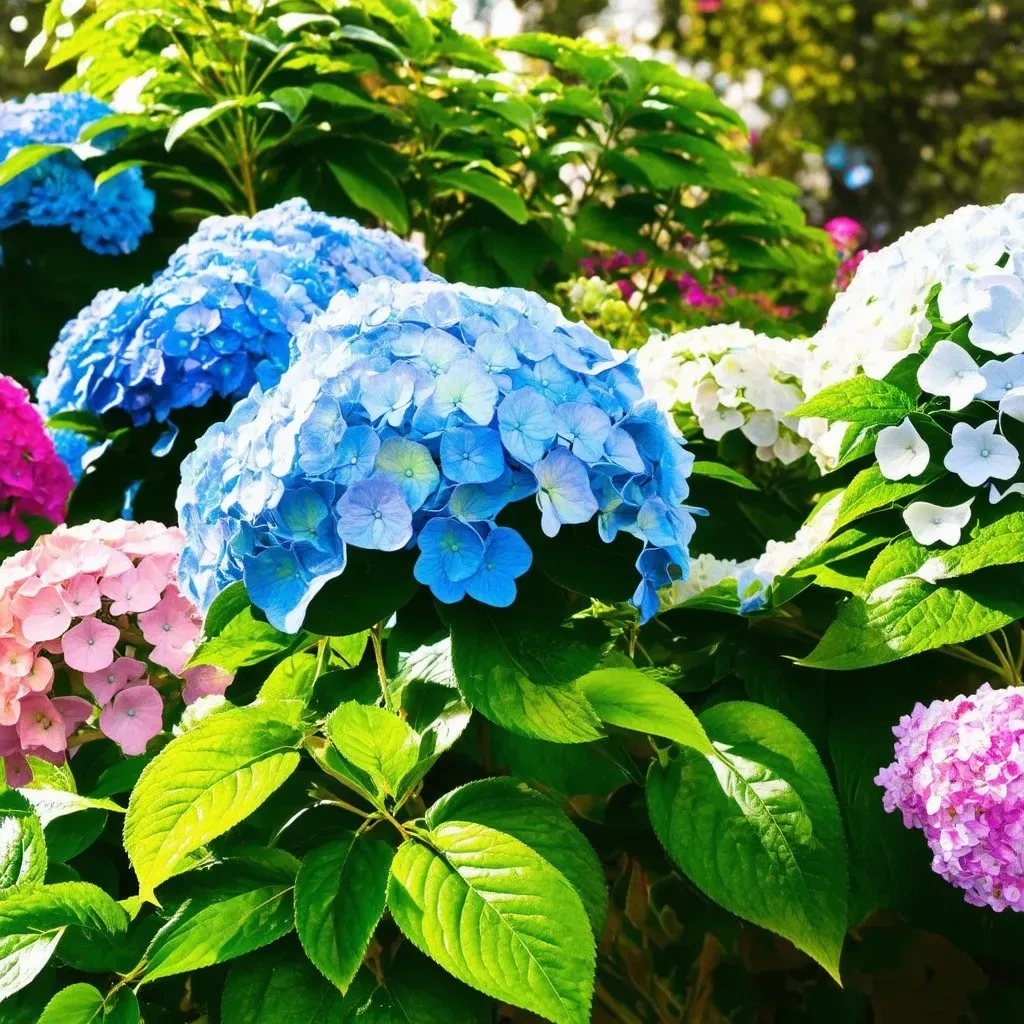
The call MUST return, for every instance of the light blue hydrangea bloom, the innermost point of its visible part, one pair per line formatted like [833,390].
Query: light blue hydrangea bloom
[221,316]
[59,191]
[413,414]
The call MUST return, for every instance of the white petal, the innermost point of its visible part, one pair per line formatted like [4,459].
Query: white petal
[949,370]
[761,428]
[995,497]
[901,451]
[930,523]
[1012,404]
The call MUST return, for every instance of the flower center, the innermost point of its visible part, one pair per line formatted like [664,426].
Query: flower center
[90,642]
[408,473]
[111,680]
[42,721]
[130,712]
[377,514]
[984,453]
[166,627]
[936,521]
[353,461]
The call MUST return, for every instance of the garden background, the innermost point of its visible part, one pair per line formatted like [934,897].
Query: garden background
[624,760]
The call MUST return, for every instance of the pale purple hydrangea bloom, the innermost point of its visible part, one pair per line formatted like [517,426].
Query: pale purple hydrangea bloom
[959,776]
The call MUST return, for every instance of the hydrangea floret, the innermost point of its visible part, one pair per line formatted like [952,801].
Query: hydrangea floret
[220,317]
[33,479]
[413,415]
[93,628]
[59,190]
[729,378]
[958,775]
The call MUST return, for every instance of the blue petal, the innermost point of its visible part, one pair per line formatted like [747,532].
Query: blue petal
[410,466]
[472,455]
[356,454]
[564,493]
[276,583]
[526,423]
[450,552]
[373,514]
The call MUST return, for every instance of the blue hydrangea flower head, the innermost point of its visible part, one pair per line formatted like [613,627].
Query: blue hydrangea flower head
[222,315]
[412,415]
[59,191]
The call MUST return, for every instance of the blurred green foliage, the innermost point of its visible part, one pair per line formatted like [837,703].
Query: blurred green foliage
[933,89]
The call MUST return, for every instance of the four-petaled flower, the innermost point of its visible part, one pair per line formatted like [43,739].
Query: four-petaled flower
[979,454]
[930,523]
[901,451]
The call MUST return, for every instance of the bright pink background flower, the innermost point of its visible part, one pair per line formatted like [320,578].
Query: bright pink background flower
[33,480]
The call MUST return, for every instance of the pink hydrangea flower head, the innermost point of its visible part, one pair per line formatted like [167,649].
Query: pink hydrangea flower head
[33,480]
[958,775]
[93,611]
[133,718]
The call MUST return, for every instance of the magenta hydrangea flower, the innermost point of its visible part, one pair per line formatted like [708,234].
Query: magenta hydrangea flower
[33,479]
[93,613]
[959,777]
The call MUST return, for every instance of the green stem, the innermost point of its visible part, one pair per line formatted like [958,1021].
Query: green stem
[382,675]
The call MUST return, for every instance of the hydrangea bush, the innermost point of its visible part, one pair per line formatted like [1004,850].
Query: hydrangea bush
[33,480]
[499,719]
[52,187]
[412,417]
[93,628]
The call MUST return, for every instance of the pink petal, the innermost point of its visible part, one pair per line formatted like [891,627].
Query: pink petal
[16,770]
[133,719]
[114,678]
[41,725]
[82,596]
[15,660]
[89,645]
[41,676]
[74,711]
[43,615]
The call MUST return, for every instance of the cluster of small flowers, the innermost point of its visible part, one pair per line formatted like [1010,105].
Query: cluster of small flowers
[600,305]
[958,775]
[33,480]
[221,316]
[58,191]
[97,608]
[754,576]
[414,414]
[729,378]
[710,301]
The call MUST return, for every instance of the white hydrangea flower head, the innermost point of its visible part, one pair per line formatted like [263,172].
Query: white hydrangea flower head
[730,378]
[976,257]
